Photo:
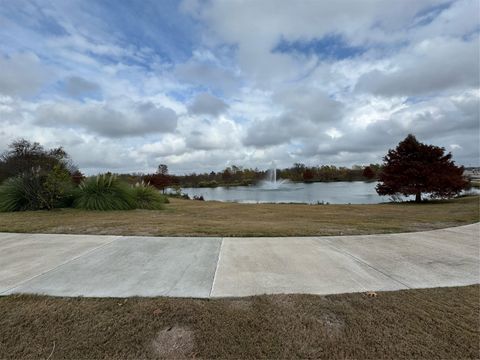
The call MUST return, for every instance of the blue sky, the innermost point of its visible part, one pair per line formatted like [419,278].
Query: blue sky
[331,46]
[201,85]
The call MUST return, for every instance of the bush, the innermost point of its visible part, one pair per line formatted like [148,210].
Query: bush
[57,188]
[36,190]
[104,192]
[148,197]
[18,194]
[210,184]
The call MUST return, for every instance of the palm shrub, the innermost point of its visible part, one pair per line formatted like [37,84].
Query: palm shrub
[104,192]
[148,197]
[19,194]
[36,190]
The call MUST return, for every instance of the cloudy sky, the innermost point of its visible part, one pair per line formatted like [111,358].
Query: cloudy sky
[200,85]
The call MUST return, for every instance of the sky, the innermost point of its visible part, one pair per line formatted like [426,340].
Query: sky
[200,85]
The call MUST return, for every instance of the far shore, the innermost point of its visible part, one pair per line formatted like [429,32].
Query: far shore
[474,183]
[226,185]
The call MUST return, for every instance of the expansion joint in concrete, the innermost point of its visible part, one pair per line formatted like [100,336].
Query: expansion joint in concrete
[216,267]
[356,258]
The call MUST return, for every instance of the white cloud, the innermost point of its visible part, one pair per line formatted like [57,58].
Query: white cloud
[221,133]
[426,68]
[170,144]
[207,75]
[22,74]
[206,104]
[77,86]
[111,120]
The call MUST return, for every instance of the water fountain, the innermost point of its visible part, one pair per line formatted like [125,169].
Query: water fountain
[271,182]
[272,174]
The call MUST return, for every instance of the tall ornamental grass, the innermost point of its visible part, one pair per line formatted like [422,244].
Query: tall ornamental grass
[148,197]
[104,192]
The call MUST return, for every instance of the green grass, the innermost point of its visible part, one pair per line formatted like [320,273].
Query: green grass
[437,323]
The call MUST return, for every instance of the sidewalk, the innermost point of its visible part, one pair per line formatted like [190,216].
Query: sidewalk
[120,266]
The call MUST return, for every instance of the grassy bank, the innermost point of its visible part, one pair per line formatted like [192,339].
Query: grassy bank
[198,218]
[475,184]
[431,323]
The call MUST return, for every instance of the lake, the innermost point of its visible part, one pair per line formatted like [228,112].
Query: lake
[357,192]
[342,192]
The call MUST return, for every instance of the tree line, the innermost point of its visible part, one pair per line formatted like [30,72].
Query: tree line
[239,176]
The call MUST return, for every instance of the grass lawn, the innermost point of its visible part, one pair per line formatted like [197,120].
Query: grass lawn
[209,218]
[430,323]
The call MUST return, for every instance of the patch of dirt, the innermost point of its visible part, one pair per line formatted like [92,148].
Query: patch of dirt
[333,324]
[174,342]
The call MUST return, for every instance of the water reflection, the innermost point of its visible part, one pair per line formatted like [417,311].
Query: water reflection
[357,192]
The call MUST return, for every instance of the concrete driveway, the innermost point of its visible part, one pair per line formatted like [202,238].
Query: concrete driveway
[120,266]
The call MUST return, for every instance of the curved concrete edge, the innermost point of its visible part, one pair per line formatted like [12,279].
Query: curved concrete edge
[123,266]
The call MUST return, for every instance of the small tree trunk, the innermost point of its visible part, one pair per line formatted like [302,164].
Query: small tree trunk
[418,197]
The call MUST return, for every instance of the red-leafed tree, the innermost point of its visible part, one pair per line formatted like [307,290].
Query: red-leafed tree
[77,177]
[368,173]
[161,180]
[308,175]
[414,168]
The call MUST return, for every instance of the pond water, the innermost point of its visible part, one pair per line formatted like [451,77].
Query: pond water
[356,192]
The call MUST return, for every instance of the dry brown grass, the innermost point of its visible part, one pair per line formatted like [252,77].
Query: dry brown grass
[198,218]
[427,324]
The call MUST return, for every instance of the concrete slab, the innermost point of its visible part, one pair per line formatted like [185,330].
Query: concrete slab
[111,266]
[463,243]
[24,256]
[135,266]
[5,236]
[472,229]
[426,259]
[249,266]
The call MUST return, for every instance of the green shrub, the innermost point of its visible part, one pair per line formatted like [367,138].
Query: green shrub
[36,190]
[18,194]
[210,184]
[57,187]
[104,192]
[148,197]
